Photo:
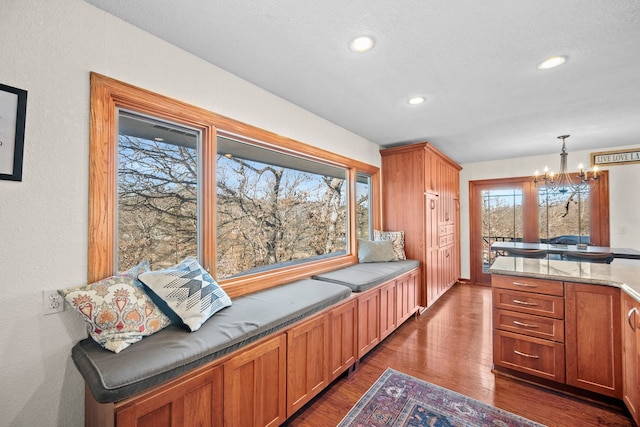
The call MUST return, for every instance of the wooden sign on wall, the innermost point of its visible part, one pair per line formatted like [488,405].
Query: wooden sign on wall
[614,158]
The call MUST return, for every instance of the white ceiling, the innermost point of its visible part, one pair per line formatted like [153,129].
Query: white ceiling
[474,61]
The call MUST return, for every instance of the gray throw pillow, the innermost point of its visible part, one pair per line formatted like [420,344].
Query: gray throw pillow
[379,251]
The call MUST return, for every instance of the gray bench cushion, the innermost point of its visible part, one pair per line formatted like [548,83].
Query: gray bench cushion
[174,351]
[364,276]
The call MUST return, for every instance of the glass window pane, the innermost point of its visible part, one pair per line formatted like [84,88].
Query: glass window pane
[564,218]
[363,206]
[157,192]
[501,220]
[275,209]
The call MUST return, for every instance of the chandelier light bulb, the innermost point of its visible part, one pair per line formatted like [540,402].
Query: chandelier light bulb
[563,181]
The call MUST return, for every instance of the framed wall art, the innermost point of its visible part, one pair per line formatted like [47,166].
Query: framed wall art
[13,111]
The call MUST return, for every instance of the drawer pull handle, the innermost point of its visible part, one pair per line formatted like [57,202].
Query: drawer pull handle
[526,285]
[524,325]
[533,304]
[531,356]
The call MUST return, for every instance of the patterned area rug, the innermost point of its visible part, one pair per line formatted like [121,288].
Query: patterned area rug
[397,399]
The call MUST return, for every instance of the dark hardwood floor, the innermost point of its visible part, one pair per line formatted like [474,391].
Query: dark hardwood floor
[450,345]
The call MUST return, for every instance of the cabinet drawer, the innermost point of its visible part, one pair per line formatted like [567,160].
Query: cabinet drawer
[526,302]
[447,229]
[447,240]
[527,284]
[529,324]
[542,358]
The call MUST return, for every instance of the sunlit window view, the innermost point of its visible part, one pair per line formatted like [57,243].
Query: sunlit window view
[501,220]
[563,217]
[157,192]
[275,209]
[363,206]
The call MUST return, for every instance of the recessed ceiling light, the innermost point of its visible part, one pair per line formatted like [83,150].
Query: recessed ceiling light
[552,62]
[158,139]
[361,44]
[416,100]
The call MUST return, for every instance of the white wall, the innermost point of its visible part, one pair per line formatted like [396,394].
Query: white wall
[624,204]
[49,48]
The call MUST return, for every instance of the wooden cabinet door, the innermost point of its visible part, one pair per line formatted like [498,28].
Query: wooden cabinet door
[593,338]
[630,320]
[368,321]
[343,333]
[429,291]
[255,385]
[387,309]
[307,361]
[407,296]
[195,401]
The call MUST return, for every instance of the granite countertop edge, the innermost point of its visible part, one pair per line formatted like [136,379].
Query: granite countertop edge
[623,276]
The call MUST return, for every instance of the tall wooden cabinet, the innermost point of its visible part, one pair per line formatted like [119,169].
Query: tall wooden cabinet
[421,196]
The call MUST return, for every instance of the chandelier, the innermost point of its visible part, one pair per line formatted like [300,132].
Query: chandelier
[563,182]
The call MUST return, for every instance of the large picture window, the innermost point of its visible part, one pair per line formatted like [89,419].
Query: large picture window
[157,192]
[275,209]
[170,180]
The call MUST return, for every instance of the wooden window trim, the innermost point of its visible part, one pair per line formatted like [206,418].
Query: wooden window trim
[108,95]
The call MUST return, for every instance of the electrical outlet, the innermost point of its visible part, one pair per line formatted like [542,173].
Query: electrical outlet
[52,302]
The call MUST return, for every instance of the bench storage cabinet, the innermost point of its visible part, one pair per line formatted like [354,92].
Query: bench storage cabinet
[254,385]
[343,350]
[189,402]
[252,364]
[307,361]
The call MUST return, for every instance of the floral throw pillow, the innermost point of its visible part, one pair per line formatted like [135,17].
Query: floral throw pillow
[396,237]
[117,310]
[188,291]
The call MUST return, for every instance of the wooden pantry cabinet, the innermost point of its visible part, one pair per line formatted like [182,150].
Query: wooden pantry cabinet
[564,332]
[421,196]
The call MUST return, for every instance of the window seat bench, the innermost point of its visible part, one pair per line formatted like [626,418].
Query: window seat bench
[362,277]
[311,321]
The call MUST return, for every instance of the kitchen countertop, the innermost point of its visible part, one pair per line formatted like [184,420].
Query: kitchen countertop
[623,276]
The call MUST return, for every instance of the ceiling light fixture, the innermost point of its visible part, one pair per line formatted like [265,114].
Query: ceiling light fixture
[361,44]
[552,62]
[563,182]
[416,100]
